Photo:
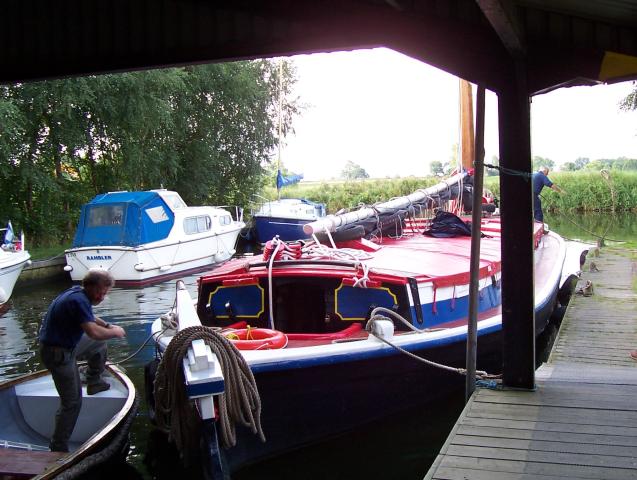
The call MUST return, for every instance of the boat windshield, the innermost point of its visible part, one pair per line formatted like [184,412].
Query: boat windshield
[99,216]
[173,200]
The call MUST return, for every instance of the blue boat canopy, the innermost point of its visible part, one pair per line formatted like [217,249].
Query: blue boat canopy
[125,219]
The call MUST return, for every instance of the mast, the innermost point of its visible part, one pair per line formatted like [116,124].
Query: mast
[467,136]
[278,190]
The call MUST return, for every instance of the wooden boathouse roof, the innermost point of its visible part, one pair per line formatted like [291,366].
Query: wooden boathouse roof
[563,42]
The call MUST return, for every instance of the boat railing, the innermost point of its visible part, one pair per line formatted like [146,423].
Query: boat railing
[236,212]
[259,203]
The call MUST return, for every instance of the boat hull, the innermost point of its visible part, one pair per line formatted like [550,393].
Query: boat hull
[340,397]
[307,402]
[285,218]
[135,266]
[11,266]
[288,229]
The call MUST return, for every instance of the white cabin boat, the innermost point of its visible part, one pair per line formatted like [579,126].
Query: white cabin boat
[149,236]
[13,258]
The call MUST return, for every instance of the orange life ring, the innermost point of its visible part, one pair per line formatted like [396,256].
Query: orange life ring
[256,338]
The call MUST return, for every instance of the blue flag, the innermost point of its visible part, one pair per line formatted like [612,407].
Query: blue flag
[8,235]
[282,181]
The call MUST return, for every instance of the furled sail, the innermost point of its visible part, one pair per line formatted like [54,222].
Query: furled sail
[283,181]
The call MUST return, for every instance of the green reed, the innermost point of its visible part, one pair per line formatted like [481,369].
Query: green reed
[586,191]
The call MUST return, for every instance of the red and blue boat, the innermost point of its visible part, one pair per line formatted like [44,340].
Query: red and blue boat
[366,319]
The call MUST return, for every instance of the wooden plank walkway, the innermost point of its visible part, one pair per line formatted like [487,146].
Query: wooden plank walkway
[581,422]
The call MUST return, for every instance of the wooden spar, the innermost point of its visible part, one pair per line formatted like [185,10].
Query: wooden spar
[331,222]
[278,191]
[467,137]
[474,270]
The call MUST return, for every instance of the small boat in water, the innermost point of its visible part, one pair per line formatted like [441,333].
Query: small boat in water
[13,258]
[27,415]
[149,236]
[285,218]
[371,322]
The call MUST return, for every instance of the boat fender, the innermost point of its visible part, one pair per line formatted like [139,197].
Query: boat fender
[256,338]
[381,328]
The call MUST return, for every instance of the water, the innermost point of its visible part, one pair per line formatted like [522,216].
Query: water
[589,227]
[401,447]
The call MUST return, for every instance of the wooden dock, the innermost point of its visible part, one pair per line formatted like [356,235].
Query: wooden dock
[581,422]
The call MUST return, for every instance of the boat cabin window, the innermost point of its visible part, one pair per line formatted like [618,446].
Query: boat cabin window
[225,220]
[199,224]
[174,201]
[100,216]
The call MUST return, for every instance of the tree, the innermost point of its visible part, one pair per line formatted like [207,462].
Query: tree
[542,162]
[581,162]
[353,171]
[569,167]
[630,102]
[436,167]
[205,131]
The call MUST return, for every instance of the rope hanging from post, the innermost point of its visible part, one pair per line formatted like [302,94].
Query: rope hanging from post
[480,375]
[177,414]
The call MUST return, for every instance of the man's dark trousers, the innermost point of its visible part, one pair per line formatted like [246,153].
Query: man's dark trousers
[62,363]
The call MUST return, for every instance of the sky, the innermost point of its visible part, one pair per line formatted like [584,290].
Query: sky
[393,115]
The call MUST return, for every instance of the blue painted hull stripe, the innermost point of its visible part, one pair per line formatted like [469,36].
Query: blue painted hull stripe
[203,389]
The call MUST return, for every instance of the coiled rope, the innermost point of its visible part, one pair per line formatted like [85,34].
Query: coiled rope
[177,414]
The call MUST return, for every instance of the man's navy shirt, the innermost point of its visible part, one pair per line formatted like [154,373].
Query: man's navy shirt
[62,323]
[540,181]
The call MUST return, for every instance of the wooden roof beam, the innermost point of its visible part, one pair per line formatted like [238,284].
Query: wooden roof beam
[501,16]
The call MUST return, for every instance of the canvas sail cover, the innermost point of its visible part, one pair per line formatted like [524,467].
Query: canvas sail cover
[123,219]
[282,181]
[446,225]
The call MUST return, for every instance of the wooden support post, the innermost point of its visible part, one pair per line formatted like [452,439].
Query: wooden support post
[476,218]
[518,316]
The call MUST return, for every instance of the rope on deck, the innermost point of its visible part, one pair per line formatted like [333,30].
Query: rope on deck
[177,414]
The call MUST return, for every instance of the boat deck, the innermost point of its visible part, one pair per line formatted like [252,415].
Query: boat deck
[581,422]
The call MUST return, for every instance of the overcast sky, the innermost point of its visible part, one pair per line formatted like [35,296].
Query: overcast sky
[393,115]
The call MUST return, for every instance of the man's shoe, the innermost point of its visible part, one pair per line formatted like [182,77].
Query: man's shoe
[94,388]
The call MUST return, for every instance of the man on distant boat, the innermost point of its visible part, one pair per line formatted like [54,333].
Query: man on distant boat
[541,180]
[69,332]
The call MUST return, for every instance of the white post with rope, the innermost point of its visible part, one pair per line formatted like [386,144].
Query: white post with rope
[202,371]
